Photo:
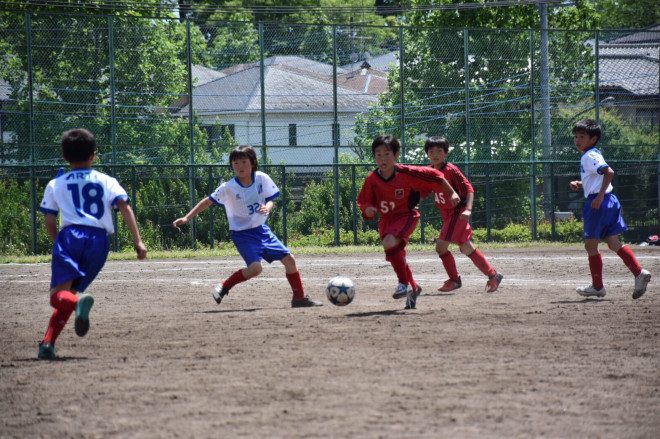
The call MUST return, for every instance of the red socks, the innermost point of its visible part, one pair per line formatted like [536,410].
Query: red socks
[234,279]
[397,257]
[449,263]
[479,260]
[64,303]
[296,285]
[630,260]
[596,268]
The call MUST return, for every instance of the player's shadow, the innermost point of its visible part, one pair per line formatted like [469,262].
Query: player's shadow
[52,360]
[586,300]
[392,312]
[225,311]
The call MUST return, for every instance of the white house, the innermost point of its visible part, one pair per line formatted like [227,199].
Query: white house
[298,102]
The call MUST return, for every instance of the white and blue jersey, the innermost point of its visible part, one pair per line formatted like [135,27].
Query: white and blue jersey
[592,164]
[84,197]
[607,220]
[241,202]
[253,238]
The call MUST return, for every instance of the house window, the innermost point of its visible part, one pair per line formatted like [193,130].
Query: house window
[215,133]
[293,134]
[230,129]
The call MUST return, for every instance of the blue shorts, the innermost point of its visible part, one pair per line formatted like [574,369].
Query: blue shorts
[259,243]
[606,221]
[79,254]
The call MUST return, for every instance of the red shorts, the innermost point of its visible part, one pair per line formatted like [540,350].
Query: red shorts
[455,229]
[401,227]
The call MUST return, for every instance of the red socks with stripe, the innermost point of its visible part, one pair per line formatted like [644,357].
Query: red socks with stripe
[64,303]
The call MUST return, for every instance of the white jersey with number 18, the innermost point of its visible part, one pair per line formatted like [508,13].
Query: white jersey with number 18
[83,197]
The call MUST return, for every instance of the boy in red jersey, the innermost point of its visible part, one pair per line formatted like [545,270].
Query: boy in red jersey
[394,191]
[456,227]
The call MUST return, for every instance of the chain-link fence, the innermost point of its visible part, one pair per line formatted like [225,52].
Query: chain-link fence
[168,99]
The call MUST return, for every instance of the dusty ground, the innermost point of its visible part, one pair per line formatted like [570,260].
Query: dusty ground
[163,360]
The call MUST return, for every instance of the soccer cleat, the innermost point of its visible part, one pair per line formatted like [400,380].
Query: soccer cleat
[402,291]
[47,351]
[305,302]
[219,292]
[493,282]
[641,281]
[411,298]
[451,285]
[590,291]
[85,302]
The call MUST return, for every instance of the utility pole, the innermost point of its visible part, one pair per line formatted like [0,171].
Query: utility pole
[546,133]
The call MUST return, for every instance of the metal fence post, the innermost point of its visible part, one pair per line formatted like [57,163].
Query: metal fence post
[402,82]
[191,127]
[33,181]
[212,209]
[113,116]
[532,129]
[285,201]
[466,62]
[335,135]
[354,198]
[262,81]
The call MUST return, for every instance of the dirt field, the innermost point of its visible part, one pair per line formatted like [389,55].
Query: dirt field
[163,360]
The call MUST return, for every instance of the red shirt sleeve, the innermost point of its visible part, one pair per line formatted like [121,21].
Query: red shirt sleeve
[367,196]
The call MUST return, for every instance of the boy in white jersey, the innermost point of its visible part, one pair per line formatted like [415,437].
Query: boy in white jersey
[248,199]
[602,212]
[85,199]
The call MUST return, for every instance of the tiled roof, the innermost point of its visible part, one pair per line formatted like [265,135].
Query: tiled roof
[650,34]
[637,75]
[631,62]
[286,91]
[202,75]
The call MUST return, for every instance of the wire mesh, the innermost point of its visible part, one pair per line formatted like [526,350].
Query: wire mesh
[168,100]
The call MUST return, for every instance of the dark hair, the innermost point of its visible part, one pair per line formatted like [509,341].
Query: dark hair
[244,152]
[78,145]
[436,141]
[588,126]
[388,140]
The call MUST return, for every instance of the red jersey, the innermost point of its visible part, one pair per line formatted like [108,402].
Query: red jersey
[399,195]
[458,182]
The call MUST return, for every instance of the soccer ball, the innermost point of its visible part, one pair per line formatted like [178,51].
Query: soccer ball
[340,291]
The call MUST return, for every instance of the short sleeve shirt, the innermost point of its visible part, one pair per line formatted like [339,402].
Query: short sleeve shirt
[592,164]
[241,202]
[83,197]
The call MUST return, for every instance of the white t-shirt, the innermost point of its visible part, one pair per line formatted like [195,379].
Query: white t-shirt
[241,202]
[84,197]
[591,171]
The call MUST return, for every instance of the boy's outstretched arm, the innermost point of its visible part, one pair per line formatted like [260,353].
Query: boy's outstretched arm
[199,208]
[131,223]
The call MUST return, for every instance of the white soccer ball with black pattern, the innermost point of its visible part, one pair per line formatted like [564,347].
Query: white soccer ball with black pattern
[340,291]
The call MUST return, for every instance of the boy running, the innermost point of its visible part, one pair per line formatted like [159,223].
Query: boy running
[85,198]
[602,212]
[394,191]
[248,199]
[456,226]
